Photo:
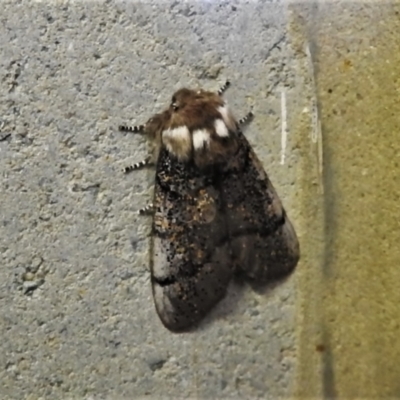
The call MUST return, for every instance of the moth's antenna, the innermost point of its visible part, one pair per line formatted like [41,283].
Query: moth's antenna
[132,129]
[223,88]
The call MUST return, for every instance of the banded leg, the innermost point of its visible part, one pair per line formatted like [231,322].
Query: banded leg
[223,88]
[132,129]
[146,210]
[146,162]
[248,117]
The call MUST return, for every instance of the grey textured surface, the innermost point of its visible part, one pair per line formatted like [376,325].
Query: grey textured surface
[77,318]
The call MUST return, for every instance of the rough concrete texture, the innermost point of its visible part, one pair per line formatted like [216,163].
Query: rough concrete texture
[77,317]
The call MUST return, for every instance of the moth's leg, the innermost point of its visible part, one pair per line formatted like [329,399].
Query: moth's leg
[132,129]
[247,118]
[146,210]
[148,161]
[223,88]
[145,163]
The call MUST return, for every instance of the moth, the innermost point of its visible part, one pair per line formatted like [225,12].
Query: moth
[215,211]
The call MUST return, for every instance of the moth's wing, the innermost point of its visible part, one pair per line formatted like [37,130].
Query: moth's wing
[263,240]
[191,262]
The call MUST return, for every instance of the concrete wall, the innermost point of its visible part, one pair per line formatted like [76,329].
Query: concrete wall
[77,318]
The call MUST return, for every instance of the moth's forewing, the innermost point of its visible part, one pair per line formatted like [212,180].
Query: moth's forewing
[191,261]
[263,241]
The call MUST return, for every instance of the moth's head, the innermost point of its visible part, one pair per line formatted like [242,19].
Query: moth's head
[198,122]
[181,99]
[184,99]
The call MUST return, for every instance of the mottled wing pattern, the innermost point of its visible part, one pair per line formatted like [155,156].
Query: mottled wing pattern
[263,241]
[215,210]
[191,262]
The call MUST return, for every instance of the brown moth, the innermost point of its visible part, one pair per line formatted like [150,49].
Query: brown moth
[215,212]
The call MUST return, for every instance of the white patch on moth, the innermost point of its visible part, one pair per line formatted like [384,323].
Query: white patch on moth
[284,127]
[177,141]
[221,128]
[201,137]
[224,111]
[227,116]
[180,133]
